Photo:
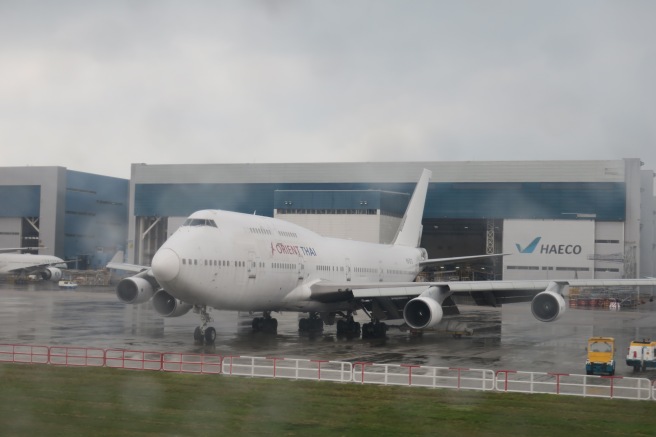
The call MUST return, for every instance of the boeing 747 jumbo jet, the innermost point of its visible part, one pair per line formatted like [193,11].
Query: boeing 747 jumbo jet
[232,261]
[22,264]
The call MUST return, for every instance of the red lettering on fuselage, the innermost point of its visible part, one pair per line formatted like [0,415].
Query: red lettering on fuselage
[288,249]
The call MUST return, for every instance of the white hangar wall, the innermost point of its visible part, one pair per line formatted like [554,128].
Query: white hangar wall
[10,231]
[562,249]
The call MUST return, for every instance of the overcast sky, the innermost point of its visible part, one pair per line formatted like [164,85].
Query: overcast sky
[96,86]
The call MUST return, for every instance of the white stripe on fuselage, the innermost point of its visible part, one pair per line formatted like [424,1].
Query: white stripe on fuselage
[254,263]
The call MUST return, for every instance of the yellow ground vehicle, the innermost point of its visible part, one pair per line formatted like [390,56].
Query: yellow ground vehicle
[601,356]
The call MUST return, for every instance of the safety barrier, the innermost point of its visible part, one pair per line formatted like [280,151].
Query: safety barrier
[614,387]
[423,376]
[18,353]
[289,368]
[76,356]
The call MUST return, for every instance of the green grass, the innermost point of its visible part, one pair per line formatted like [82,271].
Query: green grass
[40,400]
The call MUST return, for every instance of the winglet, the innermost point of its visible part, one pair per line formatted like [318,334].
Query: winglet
[118,257]
[409,233]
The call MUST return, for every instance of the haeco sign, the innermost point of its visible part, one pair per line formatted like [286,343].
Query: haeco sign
[550,249]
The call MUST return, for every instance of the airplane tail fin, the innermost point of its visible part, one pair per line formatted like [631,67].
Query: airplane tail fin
[409,233]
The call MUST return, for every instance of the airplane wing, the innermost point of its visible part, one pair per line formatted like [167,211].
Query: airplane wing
[327,291]
[20,249]
[11,249]
[126,267]
[489,293]
[437,261]
[392,296]
[34,268]
[116,263]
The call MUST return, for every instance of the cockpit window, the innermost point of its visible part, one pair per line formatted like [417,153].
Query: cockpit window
[199,222]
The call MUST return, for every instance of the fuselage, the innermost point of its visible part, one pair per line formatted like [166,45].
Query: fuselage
[16,262]
[246,262]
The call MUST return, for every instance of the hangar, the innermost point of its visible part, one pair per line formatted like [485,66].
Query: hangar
[564,219]
[70,214]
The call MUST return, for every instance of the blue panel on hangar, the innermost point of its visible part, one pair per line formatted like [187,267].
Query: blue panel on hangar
[20,200]
[607,201]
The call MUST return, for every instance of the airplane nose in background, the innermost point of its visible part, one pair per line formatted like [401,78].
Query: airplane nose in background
[166,265]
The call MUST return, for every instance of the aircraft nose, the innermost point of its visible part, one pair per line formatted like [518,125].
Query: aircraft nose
[165,265]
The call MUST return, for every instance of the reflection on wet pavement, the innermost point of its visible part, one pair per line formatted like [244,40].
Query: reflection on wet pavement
[41,314]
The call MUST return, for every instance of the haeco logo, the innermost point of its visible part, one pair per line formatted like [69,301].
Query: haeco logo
[550,249]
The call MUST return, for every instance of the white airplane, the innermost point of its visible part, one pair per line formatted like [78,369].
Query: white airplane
[49,267]
[232,261]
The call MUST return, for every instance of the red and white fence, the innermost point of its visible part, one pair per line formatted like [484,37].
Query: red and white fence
[614,387]
[423,376]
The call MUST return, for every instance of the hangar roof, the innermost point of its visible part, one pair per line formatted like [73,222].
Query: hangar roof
[383,172]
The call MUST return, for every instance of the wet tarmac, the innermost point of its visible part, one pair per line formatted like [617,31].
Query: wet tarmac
[502,339]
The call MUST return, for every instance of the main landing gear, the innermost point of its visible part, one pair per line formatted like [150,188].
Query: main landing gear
[203,332]
[348,328]
[311,325]
[265,324]
[374,329]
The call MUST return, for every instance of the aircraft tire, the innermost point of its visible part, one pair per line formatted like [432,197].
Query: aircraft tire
[257,324]
[368,330]
[270,325]
[341,327]
[197,334]
[316,325]
[380,330]
[210,335]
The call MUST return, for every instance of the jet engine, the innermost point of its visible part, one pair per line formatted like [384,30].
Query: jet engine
[168,306]
[51,274]
[422,312]
[548,306]
[134,290]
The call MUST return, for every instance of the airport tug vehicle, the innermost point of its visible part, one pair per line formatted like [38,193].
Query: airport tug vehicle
[641,355]
[601,356]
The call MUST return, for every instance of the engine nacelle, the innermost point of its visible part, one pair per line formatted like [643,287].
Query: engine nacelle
[51,274]
[134,290]
[548,306]
[422,312]
[168,306]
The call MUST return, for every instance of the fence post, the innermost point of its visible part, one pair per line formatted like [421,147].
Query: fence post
[612,381]
[275,359]
[459,369]
[558,375]
[410,367]
[319,367]
[362,364]
[506,372]
[231,357]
